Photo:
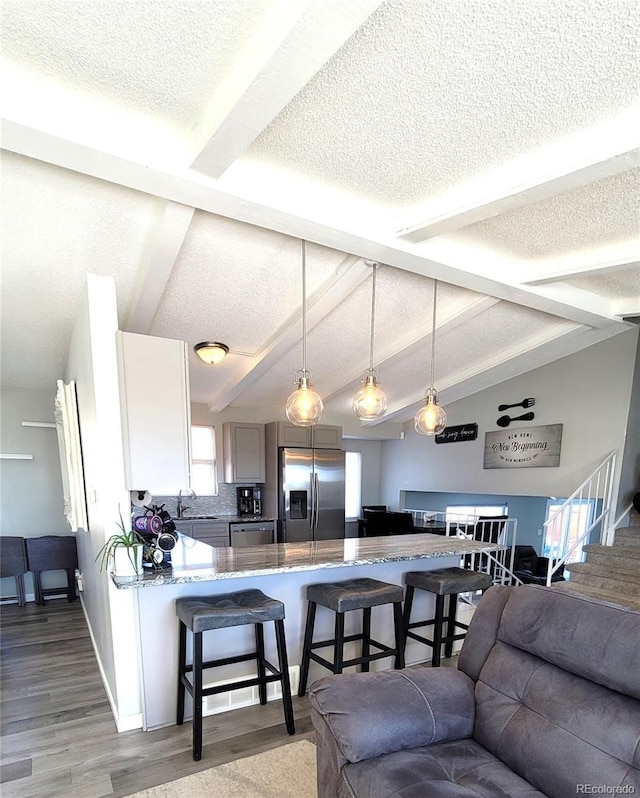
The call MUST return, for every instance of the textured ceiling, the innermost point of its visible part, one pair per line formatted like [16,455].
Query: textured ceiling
[185,148]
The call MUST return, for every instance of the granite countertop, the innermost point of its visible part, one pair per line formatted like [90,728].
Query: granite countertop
[194,561]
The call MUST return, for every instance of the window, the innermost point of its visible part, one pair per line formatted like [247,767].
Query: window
[568,527]
[203,461]
[352,484]
[461,512]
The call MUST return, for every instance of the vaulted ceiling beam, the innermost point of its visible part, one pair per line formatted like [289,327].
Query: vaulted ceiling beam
[574,162]
[164,241]
[185,188]
[347,278]
[277,63]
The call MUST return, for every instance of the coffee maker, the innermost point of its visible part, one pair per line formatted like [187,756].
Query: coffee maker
[249,501]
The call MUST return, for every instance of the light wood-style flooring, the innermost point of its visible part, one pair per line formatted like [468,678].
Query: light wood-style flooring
[57,734]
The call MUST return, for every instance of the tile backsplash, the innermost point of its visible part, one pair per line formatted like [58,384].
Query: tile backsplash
[225,503]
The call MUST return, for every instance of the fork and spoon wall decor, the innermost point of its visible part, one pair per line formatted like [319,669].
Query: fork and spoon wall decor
[504,421]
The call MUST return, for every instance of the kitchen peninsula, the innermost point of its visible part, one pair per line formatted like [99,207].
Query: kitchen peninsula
[282,571]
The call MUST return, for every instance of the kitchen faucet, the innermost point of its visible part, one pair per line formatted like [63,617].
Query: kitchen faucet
[182,507]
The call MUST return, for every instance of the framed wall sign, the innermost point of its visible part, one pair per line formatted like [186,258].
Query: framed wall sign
[534,447]
[463,432]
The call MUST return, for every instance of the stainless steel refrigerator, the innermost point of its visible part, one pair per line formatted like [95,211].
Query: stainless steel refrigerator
[311,494]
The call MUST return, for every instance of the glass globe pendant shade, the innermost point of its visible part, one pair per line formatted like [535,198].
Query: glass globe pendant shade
[431,418]
[304,406]
[371,401]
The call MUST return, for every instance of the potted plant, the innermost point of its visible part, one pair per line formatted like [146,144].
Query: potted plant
[124,549]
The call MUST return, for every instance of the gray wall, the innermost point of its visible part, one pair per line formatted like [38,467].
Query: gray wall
[630,476]
[30,490]
[589,393]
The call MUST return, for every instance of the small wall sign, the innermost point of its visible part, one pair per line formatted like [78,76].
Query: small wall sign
[534,447]
[463,432]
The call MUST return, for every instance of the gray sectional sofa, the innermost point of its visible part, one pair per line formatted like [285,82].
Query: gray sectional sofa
[545,702]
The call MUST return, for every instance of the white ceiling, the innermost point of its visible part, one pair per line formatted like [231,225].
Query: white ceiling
[186,147]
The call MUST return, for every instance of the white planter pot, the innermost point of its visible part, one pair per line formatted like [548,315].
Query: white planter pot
[127,561]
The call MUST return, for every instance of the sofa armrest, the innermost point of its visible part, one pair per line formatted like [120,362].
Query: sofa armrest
[370,714]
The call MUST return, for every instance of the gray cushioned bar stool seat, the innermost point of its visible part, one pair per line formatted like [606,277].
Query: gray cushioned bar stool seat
[13,562]
[442,582]
[202,614]
[340,597]
[52,553]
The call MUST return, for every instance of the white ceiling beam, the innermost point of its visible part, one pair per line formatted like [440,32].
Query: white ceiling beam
[628,308]
[187,189]
[351,273]
[537,351]
[576,161]
[164,241]
[277,63]
[588,268]
[460,313]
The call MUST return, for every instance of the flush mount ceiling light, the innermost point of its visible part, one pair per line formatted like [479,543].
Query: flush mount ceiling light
[304,406]
[370,402]
[211,352]
[431,419]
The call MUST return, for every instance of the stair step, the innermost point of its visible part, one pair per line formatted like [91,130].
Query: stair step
[627,536]
[598,593]
[584,573]
[607,558]
[619,552]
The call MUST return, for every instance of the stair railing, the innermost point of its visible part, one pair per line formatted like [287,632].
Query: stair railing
[598,485]
[498,563]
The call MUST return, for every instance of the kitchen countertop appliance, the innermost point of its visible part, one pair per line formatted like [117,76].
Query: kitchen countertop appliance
[249,501]
[311,494]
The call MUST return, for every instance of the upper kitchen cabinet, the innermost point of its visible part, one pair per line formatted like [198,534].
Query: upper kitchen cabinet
[154,398]
[243,449]
[321,436]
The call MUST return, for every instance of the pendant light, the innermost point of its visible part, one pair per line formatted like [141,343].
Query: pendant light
[304,406]
[431,419]
[370,402]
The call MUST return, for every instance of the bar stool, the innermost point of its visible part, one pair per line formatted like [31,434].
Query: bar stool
[203,613]
[13,562]
[352,594]
[52,553]
[443,582]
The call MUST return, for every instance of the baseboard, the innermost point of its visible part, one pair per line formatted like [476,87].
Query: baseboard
[245,697]
[125,722]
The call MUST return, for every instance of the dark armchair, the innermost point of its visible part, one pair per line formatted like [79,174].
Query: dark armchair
[386,523]
[532,569]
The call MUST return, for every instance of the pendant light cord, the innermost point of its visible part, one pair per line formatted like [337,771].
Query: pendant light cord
[373,315]
[304,309]
[433,334]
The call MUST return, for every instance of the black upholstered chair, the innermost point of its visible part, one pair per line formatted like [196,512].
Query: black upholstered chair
[13,562]
[532,569]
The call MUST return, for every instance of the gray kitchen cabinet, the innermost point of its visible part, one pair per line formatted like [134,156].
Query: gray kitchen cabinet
[243,451]
[321,436]
[214,533]
[155,411]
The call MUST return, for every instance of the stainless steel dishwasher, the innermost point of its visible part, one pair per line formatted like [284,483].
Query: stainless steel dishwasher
[251,533]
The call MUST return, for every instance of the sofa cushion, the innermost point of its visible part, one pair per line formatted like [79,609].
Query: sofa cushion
[459,769]
[370,714]
[553,728]
[600,642]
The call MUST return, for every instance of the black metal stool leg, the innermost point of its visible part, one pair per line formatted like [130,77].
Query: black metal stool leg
[437,631]
[283,662]
[399,634]
[338,658]
[306,648]
[182,657]
[197,696]
[366,636]
[451,624]
[262,671]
